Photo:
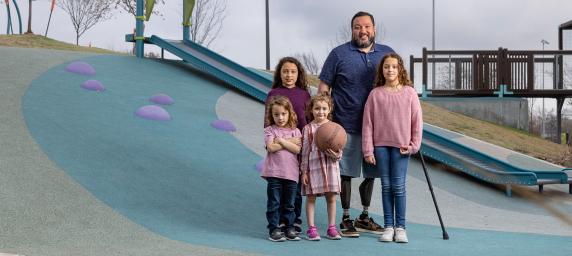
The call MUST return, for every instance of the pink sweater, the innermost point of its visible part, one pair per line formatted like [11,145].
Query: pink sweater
[392,119]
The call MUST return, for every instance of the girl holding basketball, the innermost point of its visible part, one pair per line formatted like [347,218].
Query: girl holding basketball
[281,167]
[320,170]
[392,130]
[290,81]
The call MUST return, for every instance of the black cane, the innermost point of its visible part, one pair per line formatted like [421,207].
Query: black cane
[53,2]
[445,235]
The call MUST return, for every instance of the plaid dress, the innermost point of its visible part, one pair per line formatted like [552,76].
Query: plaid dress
[323,171]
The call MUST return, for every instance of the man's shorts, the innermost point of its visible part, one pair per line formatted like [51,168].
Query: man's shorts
[352,162]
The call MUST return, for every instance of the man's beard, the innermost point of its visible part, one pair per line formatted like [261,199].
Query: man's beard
[365,44]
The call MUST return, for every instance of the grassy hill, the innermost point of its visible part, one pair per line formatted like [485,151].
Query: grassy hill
[495,134]
[41,42]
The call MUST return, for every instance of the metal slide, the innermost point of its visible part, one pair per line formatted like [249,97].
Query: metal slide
[485,167]
[213,63]
[444,150]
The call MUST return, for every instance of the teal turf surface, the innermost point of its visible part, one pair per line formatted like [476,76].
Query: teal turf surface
[188,181]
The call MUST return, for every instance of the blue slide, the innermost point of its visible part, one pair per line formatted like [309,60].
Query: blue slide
[215,64]
[463,158]
[485,167]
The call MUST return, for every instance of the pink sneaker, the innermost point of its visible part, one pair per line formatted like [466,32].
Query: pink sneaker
[312,234]
[333,233]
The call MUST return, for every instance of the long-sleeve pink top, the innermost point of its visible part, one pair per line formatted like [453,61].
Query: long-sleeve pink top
[392,119]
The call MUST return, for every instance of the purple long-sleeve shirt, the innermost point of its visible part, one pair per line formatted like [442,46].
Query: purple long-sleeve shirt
[297,96]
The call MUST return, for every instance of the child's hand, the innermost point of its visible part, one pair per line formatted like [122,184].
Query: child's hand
[404,150]
[305,179]
[278,140]
[370,159]
[296,141]
[333,154]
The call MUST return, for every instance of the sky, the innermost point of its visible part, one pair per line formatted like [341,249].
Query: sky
[307,25]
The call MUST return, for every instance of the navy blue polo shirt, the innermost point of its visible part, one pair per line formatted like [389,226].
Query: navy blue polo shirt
[351,73]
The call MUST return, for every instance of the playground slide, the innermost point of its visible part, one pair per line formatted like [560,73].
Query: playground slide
[211,62]
[485,167]
[447,151]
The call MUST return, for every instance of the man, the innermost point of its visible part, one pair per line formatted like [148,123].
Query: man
[349,71]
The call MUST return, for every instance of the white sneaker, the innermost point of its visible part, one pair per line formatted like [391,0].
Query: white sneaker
[387,234]
[400,235]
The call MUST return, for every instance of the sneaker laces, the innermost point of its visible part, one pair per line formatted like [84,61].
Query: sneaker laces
[332,231]
[349,223]
[400,232]
[389,231]
[291,233]
[373,224]
[312,232]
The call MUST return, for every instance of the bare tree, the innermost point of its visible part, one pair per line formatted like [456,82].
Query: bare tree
[130,6]
[207,22]
[567,79]
[309,61]
[86,13]
[537,121]
[344,35]
[152,55]
[531,102]
[29,18]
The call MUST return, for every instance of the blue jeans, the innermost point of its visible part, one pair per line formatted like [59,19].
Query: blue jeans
[281,193]
[392,167]
[297,204]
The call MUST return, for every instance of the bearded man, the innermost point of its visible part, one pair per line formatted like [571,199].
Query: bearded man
[349,71]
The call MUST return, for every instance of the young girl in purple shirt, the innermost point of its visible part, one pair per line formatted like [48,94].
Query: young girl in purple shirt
[290,81]
[281,168]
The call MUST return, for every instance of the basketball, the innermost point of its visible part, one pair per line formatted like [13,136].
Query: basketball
[330,136]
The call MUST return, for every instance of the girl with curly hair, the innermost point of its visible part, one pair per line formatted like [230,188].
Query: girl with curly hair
[290,81]
[392,130]
[281,167]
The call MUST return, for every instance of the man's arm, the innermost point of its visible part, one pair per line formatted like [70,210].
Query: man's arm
[323,87]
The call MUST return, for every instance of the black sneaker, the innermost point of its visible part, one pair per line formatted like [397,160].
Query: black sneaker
[291,236]
[276,236]
[366,224]
[347,228]
[297,228]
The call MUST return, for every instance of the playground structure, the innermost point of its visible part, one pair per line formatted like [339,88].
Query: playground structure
[215,64]
[506,73]
[470,161]
[10,17]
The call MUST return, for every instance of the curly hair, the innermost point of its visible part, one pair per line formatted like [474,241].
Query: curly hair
[403,78]
[301,81]
[285,103]
[319,97]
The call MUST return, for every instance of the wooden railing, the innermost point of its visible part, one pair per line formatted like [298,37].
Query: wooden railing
[501,72]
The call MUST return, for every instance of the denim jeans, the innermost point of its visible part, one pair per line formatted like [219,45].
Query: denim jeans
[297,204]
[281,192]
[392,166]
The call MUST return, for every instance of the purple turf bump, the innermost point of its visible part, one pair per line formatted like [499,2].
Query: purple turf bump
[80,68]
[161,99]
[225,125]
[153,112]
[260,165]
[93,85]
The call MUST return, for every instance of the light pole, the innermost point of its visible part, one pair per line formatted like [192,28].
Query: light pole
[543,121]
[433,48]
[267,38]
